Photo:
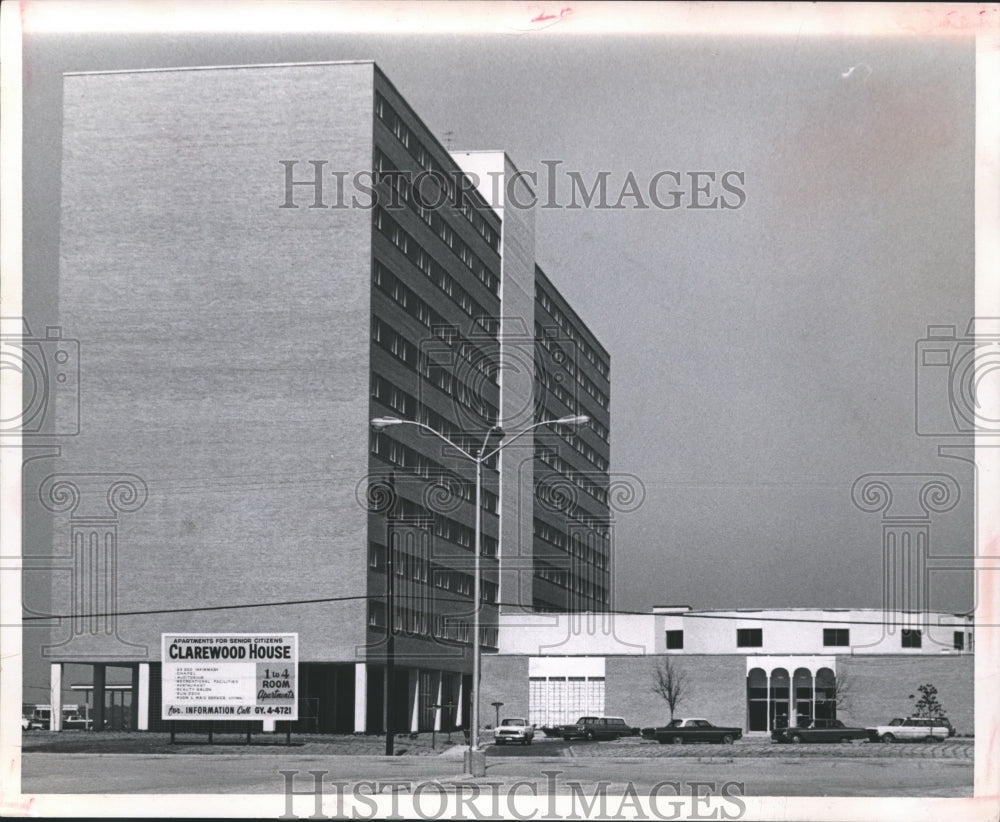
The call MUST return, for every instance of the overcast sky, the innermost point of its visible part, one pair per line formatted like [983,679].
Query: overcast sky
[762,356]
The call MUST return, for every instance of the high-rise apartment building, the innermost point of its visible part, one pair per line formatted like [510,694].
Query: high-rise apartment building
[255,262]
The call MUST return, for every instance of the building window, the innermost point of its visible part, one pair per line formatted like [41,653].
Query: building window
[912,638]
[749,637]
[675,640]
[959,640]
[376,614]
[836,636]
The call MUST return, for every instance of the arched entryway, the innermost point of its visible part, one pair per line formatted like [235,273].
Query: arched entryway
[789,691]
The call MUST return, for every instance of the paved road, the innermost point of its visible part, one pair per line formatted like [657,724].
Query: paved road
[793,775]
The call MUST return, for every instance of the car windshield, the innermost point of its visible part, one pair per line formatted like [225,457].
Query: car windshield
[514,722]
[676,723]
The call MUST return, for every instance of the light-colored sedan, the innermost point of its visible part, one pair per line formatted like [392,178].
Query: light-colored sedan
[514,729]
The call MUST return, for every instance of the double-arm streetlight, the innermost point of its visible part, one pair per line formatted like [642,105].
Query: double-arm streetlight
[481,456]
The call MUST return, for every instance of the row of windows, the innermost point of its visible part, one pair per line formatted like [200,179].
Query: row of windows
[394,288]
[443,527]
[420,569]
[423,466]
[548,338]
[548,494]
[460,199]
[411,622]
[581,446]
[410,409]
[433,270]
[573,545]
[554,385]
[568,604]
[388,339]
[832,637]
[541,297]
[552,459]
[563,578]
[429,212]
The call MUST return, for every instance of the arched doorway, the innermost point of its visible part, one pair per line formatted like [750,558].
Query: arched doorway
[780,698]
[757,708]
[802,689]
[826,694]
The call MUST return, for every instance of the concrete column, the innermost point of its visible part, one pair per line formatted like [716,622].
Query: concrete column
[55,696]
[140,695]
[812,683]
[459,716]
[414,694]
[767,688]
[440,675]
[360,697]
[100,671]
[133,708]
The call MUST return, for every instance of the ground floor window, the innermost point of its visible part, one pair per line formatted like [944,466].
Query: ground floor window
[779,699]
[557,700]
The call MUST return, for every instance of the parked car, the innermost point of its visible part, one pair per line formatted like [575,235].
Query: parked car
[513,729]
[819,730]
[78,722]
[596,727]
[29,724]
[695,729]
[912,728]
[41,718]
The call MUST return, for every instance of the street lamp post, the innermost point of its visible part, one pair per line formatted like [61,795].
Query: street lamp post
[380,423]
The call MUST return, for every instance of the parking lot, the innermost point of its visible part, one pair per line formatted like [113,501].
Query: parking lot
[81,762]
[756,747]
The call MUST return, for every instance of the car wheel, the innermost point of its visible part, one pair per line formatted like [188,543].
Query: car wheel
[888,738]
[566,738]
[795,739]
[846,739]
[499,742]
[662,740]
[677,740]
[930,739]
[727,739]
[590,736]
[528,740]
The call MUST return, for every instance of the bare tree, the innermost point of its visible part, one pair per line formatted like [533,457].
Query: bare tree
[842,694]
[670,683]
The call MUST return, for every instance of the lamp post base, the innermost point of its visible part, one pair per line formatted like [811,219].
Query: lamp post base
[475,763]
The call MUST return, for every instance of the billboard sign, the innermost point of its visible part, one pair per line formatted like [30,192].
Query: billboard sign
[230,676]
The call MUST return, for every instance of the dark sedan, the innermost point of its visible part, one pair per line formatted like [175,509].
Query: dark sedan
[821,730]
[596,727]
[680,731]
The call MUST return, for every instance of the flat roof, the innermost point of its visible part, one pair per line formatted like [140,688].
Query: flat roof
[220,68]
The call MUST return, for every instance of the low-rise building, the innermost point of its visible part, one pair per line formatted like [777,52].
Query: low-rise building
[757,669]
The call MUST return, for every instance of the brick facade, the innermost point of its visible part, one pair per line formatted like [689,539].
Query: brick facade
[716,688]
[879,687]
